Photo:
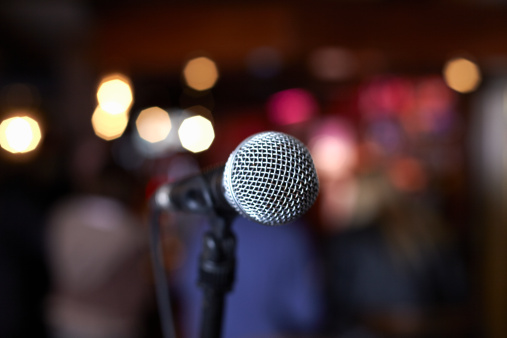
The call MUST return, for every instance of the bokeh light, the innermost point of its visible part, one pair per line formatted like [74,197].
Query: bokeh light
[332,64]
[332,155]
[196,134]
[462,75]
[153,124]
[200,73]
[291,106]
[114,94]
[108,126]
[19,134]
[166,145]
[333,148]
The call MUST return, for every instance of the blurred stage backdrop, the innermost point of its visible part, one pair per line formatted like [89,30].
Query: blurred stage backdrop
[403,106]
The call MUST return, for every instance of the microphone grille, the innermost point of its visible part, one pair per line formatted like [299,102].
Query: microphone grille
[270,178]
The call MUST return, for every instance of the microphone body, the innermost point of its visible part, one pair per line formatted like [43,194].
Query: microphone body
[269,178]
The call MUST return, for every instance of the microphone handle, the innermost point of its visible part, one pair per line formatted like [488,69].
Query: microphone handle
[216,191]
[199,194]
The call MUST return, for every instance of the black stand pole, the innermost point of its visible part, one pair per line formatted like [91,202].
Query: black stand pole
[216,273]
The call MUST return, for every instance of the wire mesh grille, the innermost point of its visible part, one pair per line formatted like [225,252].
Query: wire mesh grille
[270,178]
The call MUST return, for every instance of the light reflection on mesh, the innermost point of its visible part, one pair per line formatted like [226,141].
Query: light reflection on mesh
[270,178]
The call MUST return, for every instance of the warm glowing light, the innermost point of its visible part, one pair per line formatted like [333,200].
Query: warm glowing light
[108,126]
[200,73]
[292,106]
[196,134]
[160,126]
[462,75]
[153,124]
[115,94]
[19,134]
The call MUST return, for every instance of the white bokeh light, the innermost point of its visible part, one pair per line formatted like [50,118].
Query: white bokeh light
[196,134]
[20,134]
[114,94]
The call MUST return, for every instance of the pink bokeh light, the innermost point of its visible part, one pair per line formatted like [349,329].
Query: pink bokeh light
[291,106]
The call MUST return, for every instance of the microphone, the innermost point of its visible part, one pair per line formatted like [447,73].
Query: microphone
[269,178]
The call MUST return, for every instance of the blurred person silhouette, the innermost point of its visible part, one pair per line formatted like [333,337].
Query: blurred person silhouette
[97,250]
[393,268]
[277,289]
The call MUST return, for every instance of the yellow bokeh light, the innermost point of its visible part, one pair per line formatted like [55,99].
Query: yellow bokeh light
[108,126]
[200,73]
[153,124]
[196,134]
[19,134]
[462,75]
[114,94]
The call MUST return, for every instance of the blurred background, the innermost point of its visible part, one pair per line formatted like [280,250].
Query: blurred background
[403,106]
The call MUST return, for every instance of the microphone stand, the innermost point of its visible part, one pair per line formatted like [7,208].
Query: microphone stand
[217,265]
[217,262]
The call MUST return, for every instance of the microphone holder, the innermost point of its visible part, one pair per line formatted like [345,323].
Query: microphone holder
[217,262]
[217,265]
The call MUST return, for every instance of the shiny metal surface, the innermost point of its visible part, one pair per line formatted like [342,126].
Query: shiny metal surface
[270,178]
